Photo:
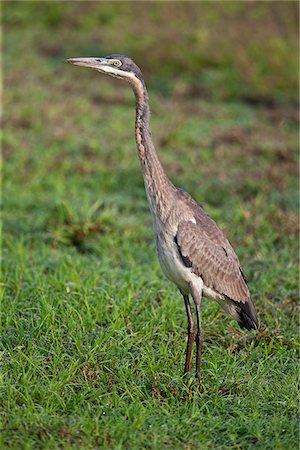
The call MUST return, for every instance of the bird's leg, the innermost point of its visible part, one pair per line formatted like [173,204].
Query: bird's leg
[196,294]
[191,333]
[199,341]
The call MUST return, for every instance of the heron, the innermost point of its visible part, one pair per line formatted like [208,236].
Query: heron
[192,250]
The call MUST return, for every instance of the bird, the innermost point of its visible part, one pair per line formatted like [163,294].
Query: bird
[192,250]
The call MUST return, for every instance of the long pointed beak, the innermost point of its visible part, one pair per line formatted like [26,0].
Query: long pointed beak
[94,63]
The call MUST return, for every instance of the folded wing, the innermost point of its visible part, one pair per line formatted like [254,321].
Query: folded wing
[204,248]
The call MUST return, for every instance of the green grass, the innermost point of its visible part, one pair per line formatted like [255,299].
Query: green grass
[92,335]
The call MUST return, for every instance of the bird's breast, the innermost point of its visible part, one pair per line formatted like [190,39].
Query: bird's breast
[170,260]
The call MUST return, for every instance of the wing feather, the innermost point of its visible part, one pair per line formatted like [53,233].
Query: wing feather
[205,249]
[211,256]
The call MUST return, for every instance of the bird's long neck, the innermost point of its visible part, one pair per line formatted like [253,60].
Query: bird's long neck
[159,188]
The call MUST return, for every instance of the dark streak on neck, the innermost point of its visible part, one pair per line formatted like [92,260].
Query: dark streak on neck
[158,187]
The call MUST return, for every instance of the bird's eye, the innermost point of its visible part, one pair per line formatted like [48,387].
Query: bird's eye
[116,63]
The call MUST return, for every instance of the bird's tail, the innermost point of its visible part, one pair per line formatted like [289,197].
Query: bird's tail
[247,315]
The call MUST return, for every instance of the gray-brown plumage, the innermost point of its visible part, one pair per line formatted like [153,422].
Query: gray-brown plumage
[204,248]
[193,252]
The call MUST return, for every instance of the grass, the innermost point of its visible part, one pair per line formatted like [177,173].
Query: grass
[92,335]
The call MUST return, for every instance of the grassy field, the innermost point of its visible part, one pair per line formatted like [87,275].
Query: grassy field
[92,335]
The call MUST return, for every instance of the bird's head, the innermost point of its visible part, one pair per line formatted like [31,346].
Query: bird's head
[118,66]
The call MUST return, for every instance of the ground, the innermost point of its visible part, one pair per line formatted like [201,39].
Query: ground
[92,335]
